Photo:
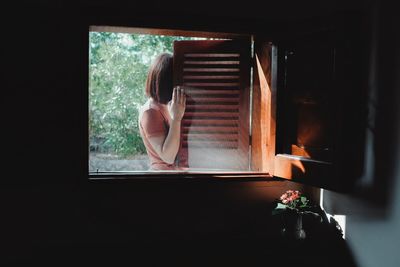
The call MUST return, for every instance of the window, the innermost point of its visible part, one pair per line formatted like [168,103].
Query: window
[216,121]
[119,62]
[215,70]
[271,107]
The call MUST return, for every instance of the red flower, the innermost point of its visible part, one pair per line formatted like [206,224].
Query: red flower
[290,198]
[290,195]
[293,200]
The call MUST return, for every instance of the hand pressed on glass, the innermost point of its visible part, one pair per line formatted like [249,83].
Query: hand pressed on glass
[177,105]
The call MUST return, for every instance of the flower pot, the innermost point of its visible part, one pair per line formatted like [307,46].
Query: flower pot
[293,225]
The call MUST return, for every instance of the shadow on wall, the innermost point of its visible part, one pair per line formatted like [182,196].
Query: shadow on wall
[373,195]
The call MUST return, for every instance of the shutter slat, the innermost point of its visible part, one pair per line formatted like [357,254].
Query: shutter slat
[211,137]
[211,123]
[196,124]
[210,130]
[215,77]
[211,84]
[197,91]
[211,62]
[214,70]
[211,77]
[207,101]
[216,108]
[202,55]
[212,107]
[212,114]
[209,144]
[212,101]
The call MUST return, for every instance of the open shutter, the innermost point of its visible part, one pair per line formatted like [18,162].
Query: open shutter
[316,102]
[306,110]
[215,127]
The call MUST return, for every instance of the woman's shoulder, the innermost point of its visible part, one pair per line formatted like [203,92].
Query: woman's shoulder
[150,105]
[151,111]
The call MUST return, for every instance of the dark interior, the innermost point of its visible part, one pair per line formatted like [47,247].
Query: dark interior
[53,214]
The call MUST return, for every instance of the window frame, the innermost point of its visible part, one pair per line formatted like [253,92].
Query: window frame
[162,175]
[277,166]
[350,34]
[341,171]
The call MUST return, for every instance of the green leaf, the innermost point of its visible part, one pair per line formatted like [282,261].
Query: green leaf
[281,206]
[303,200]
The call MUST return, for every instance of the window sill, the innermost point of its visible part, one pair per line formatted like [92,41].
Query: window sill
[179,175]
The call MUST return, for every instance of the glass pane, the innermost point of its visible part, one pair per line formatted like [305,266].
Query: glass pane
[118,68]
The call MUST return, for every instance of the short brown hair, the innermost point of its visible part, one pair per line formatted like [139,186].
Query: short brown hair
[159,79]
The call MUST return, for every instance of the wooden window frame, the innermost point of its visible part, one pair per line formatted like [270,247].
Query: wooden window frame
[156,175]
[265,163]
[265,158]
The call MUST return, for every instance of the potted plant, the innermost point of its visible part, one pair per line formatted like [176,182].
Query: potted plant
[293,205]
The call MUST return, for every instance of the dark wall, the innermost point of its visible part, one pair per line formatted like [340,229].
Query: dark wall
[373,213]
[48,202]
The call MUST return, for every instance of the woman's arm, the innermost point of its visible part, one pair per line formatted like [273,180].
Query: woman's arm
[167,146]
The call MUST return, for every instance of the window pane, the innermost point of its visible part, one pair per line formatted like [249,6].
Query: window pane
[118,67]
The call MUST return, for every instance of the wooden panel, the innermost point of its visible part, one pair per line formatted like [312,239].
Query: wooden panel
[306,111]
[310,100]
[261,114]
[216,77]
[319,108]
[301,169]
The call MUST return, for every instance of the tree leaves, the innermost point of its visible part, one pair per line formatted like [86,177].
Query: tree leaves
[118,67]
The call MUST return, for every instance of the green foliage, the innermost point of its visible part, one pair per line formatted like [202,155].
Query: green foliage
[118,68]
[293,200]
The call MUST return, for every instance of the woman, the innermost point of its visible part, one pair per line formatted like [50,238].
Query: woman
[160,117]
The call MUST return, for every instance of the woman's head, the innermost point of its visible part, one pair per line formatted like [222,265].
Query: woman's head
[159,79]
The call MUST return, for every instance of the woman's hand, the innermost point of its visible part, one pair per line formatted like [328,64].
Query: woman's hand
[167,147]
[177,105]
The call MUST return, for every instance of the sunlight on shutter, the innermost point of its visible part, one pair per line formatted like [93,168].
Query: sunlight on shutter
[212,125]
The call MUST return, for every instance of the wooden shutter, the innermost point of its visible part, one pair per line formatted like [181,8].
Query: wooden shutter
[306,110]
[317,106]
[215,127]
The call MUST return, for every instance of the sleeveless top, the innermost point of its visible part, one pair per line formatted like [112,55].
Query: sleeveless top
[154,120]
